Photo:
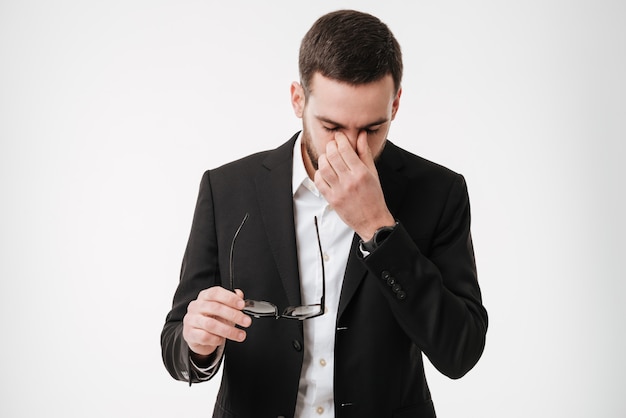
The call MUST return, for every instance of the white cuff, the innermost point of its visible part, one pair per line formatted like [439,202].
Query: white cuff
[209,371]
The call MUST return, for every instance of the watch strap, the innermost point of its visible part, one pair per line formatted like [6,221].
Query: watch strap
[379,236]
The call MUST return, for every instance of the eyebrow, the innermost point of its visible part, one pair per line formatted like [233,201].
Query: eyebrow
[339,125]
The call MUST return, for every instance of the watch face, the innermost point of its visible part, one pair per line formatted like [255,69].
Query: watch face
[381,234]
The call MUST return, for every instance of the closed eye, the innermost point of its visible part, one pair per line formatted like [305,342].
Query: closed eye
[367,130]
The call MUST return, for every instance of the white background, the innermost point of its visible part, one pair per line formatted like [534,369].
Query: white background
[110,112]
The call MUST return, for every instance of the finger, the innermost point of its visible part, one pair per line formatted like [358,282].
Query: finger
[362,146]
[222,295]
[204,342]
[219,311]
[334,158]
[202,349]
[207,330]
[326,171]
[340,151]
[321,184]
[363,150]
[342,138]
[347,151]
[200,338]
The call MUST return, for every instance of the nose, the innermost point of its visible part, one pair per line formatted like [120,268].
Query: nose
[353,134]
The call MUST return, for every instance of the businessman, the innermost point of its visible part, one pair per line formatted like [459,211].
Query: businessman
[318,274]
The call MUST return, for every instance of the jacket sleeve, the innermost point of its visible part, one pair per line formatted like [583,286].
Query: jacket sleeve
[199,271]
[436,299]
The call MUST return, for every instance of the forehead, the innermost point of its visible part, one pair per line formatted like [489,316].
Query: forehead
[351,104]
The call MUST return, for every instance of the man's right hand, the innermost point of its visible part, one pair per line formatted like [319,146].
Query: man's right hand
[211,320]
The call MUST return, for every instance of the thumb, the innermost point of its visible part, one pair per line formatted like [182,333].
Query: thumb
[239,293]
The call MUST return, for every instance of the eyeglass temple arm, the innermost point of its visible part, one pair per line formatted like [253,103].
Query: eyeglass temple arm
[319,243]
[232,251]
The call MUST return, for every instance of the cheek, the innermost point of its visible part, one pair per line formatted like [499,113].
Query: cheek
[320,137]
[376,144]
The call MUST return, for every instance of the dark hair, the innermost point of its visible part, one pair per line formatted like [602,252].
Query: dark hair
[352,47]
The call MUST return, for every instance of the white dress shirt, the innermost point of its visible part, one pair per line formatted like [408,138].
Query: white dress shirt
[315,392]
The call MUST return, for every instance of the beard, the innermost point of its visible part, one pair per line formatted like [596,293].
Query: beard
[308,147]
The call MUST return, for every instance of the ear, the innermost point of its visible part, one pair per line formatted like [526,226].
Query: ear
[396,104]
[297,99]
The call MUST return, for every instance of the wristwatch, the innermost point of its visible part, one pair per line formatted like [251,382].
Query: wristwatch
[378,238]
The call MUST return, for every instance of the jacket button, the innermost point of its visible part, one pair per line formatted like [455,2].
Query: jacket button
[401,295]
[297,345]
[396,288]
[385,275]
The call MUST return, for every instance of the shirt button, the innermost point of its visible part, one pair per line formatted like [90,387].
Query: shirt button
[319,410]
[323,362]
[326,257]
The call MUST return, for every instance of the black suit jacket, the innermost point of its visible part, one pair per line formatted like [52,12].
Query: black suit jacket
[417,293]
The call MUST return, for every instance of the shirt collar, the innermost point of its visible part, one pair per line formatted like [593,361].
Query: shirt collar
[300,176]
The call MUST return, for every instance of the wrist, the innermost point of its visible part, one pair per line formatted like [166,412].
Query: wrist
[377,238]
[366,233]
[202,360]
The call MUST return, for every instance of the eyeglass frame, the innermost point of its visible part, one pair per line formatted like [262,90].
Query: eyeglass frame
[288,313]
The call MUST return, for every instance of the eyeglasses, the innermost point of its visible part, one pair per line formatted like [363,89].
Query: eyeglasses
[261,309]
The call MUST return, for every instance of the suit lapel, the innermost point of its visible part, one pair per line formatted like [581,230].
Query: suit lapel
[276,203]
[394,186]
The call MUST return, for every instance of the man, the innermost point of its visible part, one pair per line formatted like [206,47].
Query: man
[392,276]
